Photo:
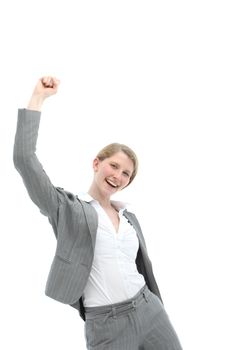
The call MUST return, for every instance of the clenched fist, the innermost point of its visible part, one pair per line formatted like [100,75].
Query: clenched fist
[45,87]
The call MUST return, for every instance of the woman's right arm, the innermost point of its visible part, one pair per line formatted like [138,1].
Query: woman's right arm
[39,187]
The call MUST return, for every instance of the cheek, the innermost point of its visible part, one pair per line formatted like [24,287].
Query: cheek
[106,171]
[103,172]
[125,181]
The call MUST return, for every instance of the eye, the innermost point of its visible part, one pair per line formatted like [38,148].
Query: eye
[113,165]
[126,174]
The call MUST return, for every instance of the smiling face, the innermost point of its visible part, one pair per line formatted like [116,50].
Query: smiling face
[112,174]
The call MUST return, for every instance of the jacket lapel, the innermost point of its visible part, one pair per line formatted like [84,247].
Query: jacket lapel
[133,221]
[92,223]
[91,219]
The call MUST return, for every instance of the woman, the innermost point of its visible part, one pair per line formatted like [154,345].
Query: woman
[101,265]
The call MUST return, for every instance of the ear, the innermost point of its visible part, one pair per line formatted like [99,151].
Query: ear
[95,165]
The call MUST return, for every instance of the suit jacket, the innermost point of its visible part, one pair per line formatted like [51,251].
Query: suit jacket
[74,222]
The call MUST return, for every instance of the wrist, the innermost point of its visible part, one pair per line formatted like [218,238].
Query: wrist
[35,103]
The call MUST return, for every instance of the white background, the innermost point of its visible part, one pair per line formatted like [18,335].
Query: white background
[156,75]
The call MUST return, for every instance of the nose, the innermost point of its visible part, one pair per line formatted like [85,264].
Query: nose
[117,174]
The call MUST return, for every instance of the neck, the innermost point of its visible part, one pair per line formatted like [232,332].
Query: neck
[103,200]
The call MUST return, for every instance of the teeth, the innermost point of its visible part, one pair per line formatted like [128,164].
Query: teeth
[112,183]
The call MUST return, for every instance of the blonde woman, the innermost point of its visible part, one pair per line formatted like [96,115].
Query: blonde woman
[101,265]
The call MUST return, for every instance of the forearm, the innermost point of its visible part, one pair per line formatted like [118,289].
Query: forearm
[39,187]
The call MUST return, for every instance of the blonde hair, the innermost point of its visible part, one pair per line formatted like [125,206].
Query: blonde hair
[112,148]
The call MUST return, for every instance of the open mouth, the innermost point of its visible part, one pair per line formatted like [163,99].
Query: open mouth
[112,184]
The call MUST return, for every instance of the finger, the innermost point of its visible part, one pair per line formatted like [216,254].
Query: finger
[44,81]
[56,82]
[50,82]
[53,83]
[47,82]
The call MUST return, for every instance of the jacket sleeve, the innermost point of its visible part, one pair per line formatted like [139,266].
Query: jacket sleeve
[39,187]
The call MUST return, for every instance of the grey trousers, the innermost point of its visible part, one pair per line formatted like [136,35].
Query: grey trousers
[137,323]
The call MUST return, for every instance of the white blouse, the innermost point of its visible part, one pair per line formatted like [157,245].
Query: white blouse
[114,276]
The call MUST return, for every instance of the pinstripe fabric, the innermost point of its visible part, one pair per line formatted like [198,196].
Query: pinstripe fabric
[138,323]
[74,221]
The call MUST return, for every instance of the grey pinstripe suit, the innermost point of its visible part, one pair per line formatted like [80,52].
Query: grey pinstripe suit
[74,222]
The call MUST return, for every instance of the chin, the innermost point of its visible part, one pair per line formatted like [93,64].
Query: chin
[111,192]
